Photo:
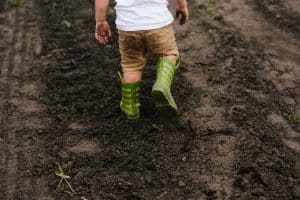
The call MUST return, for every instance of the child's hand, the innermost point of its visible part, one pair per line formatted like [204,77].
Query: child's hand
[102,32]
[183,13]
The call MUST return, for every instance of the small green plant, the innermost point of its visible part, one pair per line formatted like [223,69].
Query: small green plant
[212,1]
[63,178]
[209,13]
[2,44]
[193,12]
[292,118]
[16,2]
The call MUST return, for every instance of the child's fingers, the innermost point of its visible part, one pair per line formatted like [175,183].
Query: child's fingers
[177,14]
[107,38]
[183,20]
[183,16]
[99,38]
[180,15]
[103,39]
[109,33]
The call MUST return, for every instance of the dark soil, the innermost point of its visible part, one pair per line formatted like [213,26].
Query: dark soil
[59,103]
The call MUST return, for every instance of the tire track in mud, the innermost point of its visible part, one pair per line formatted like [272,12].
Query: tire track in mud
[276,12]
[20,110]
[9,140]
[230,69]
[242,48]
[216,137]
[292,5]
[255,109]
[279,61]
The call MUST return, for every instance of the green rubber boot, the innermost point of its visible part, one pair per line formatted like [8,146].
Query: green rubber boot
[130,102]
[161,90]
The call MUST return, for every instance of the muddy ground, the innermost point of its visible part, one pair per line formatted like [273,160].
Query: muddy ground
[236,136]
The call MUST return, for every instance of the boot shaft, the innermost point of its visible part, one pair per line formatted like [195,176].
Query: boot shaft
[130,100]
[165,72]
[161,90]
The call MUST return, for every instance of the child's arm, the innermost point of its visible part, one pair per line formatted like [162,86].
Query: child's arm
[182,11]
[102,30]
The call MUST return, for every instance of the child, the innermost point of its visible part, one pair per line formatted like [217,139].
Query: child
[143,25]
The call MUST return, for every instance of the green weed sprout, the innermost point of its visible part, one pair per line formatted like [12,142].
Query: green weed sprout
[16,2]
[212,1]
[292,118]
[63,178]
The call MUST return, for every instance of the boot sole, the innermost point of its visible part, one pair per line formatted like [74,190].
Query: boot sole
[134,117]
[162,105]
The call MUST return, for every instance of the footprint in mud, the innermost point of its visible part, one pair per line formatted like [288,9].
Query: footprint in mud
[85,147]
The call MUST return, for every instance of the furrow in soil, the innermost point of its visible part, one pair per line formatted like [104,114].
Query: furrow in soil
[21,112]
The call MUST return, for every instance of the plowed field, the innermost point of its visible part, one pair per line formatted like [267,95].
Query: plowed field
[237,135]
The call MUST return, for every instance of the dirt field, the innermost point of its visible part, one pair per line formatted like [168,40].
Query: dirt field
[237,135]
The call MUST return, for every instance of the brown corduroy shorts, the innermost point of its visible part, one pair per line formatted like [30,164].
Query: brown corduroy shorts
[134,45]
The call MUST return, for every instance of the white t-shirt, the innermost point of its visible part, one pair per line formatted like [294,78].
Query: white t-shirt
[136,15]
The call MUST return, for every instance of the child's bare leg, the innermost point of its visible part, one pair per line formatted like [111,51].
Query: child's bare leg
[132,77]
[162,44]
[172,58]
[133,60]
[131,91]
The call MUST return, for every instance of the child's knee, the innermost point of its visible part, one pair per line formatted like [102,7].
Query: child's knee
[132,76]
[173,58]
